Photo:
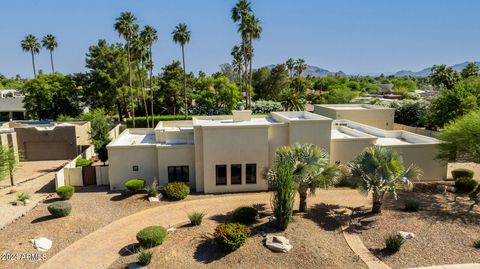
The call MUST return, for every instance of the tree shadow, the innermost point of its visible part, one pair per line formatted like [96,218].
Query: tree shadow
[328,217]
[221,218]
[52,200]
[120,197]
[42,219]
[209,251]
[129,249]
[381,252]
[92,188]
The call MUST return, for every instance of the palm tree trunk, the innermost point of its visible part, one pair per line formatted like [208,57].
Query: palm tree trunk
[184,83]
[33,63]
[250,71]
[51,61]
[130,81]
[377,202]
[303,199]
[151,88]
[143,94]
[245,75]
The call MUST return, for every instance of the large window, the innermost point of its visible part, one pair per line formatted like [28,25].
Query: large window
[251,173]
[178,173]
[221,174]
[236,174]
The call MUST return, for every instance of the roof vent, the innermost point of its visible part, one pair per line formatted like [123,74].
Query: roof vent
[242,115]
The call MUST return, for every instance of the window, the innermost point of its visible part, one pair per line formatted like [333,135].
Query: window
[135,168]
[236,174]
[221,172]
[251,173]
[178,173]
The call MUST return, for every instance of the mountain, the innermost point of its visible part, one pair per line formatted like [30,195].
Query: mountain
[315,71]
[425,72]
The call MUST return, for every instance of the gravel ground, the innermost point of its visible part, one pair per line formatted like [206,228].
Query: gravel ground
[444,231]
[316,238]
[92,208]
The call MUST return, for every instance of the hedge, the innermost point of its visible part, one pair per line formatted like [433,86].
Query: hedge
[141,122]
[151,236]
[462,172]
[65,192]
[176,190]
[135,185]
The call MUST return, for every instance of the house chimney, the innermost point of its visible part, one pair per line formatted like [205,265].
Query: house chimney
[242,115]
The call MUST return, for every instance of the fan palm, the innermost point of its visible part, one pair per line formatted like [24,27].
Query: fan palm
[292,100]
[237,61]
[126,28]
[149,36]
[181,35]
[30,44]
[50,43]
[254,31]
[381,170]
[140,55]
[290,63]
[300,66]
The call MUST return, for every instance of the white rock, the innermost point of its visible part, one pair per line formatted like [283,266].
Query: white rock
[171,229]
[41,244]
[451,189]
[278,243]
[406,235]
[153,199]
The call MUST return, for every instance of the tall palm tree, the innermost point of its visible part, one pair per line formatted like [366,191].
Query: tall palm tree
[381,170]
[300,66]
[237,61]
[50,43]
[240,12]
[181,35]
[290,63]
[254,31]
[30,44]
[140,56]
[149,36]
[126,27]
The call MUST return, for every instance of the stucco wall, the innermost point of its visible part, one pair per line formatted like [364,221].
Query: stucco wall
[277,137]
[380,118]
[122,159]
[176,155]
[315,132]
[10,140]
[345,150]
[234,145]
[83,133]
[198,140]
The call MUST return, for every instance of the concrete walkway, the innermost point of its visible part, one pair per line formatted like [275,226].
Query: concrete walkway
[452,266]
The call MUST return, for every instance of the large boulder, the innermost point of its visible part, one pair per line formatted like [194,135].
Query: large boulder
[278,243]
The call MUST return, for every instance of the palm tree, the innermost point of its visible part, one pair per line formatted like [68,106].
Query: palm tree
[8,162]
[254,30]
[290,63]
[381,170]
[292,100]
[181,35]
[126,27]
[240,12]
[140,55]
[300,66]
[149,36]
[30,44]
[237,61]
[50,43]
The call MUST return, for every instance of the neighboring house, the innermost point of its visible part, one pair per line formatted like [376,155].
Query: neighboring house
[44,140]
[376,116]
[217,154]
[8,138]
[11,108]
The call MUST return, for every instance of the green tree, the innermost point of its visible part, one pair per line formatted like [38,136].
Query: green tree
[300,66]
[254,31]
[181,35]
[292,100]
[278,81]
[171,87]
[30,44]
[443,75]
[48,96]
[127,28]
[381,170]
[149,35]
[471,70]
[140,57]
[290,63]
[237,62]
[217,92]
[8,163]
[99,134]
[50,43]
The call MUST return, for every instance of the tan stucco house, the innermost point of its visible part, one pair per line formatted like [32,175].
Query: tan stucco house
[217,154]
[376,116]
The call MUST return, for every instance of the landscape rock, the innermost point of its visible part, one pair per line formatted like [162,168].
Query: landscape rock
[41,244]
[406,235]
[442,188]
[136,266]
[171,229]
[278,243]
[451,189]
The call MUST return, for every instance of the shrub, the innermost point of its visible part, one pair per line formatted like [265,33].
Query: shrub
[176,190]
[244,214]
[144,257]
[153,189]
[465,184]
[141,122]
[65,192]
[231,235]
[81,162]
[151,236]
[23,197]
[346,178]
[412,205]
[461,172]
[265,107]
[411,112]
[196,218]
[476,243]
[60,209]
[394,242]
[135,185]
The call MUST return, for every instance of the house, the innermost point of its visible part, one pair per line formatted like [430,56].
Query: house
[376,116]
[11,108]
[218,154]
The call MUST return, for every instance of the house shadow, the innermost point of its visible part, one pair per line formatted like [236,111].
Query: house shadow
[91,188]
[43,219]
[47,188]
[129,249]
[52,200]
[209,251]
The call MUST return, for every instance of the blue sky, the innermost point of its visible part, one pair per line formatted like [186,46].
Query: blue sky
[348,35]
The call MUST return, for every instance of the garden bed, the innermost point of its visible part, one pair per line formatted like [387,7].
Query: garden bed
[444,231]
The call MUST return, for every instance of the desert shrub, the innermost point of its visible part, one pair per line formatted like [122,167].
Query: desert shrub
[65,192]
[244,214]
[231,235]
[196,218]
[346,178]
[476,243]
[412,205]
[176,190]
[265,107]
[135,185]
[144,257]
[23,197]
[394,242]
[153,189]
[151,236]
[60,209]
[81,162]
[465,184]
[461,172]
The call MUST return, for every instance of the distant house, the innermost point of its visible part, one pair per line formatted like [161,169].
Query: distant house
[11,108]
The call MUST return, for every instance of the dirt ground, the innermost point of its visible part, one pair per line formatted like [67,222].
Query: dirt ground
[444,231]
[27,171]
[316,238]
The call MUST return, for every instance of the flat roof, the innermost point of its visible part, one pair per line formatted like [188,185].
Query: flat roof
[354,107]
[12,104]
[135,137]
[228,121]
